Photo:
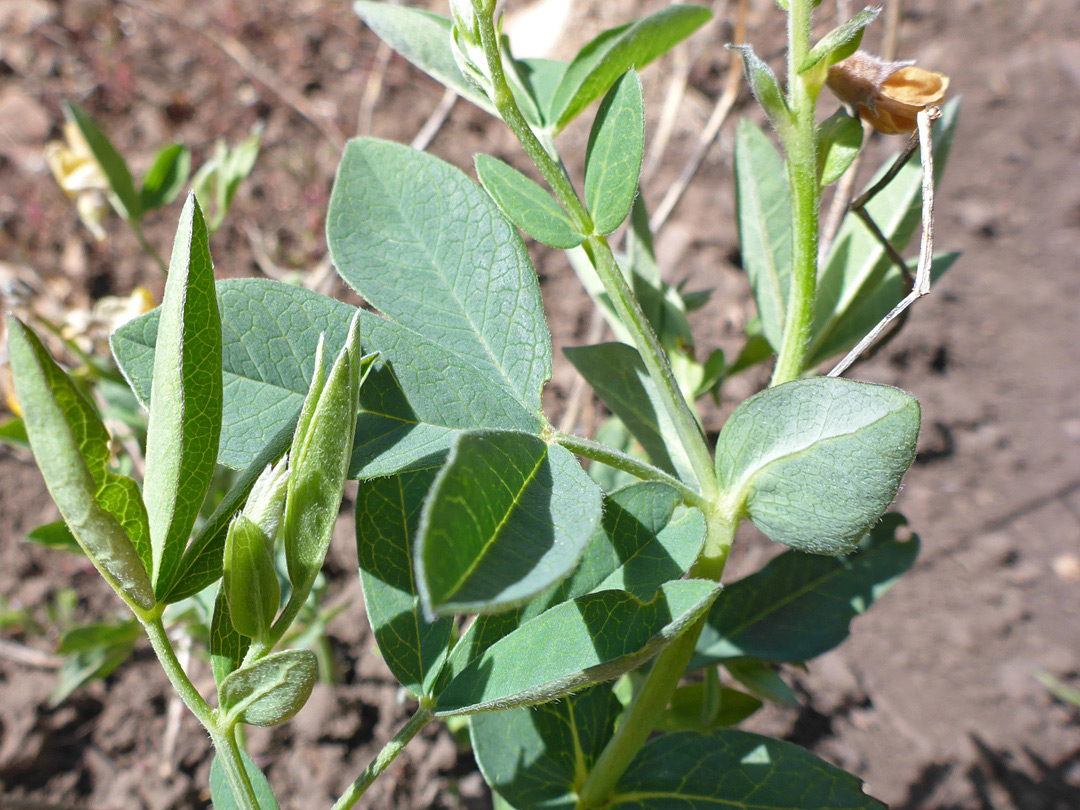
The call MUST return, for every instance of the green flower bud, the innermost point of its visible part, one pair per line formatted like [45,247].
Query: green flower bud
[249,579]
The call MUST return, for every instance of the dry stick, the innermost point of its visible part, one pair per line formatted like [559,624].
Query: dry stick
[576,401]
[258,73]
[27,656]
[926,250]
[434,123]
[708,135]
[372,89]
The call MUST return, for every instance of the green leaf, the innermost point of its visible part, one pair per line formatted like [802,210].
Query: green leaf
[761,680]
[424,39]
[738,770]
[763,208]
[527,205]
[613,158]
[185,411]
[588,640]
[271,690]
[425,245]
[765,88]
[92,651]
[71,447]
[166,176]
[13,433]
[55,535]
[112,164]
[857,261]
[387,517]
[706,705]
[538,80]
[221,794]
[507,517]
[415,400]
[755,350]
[816,462]
[867,311]
[227,646]
[840,137]
[798,606]
[537,756]
[841,42]
[618,376]
[613,52]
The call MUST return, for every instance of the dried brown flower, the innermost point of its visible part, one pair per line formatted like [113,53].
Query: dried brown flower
[887,95]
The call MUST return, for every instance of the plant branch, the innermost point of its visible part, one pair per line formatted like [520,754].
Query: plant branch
[149,249]
[389,751]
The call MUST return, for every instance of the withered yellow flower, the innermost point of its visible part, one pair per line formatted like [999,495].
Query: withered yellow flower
[887,95]
[79,175]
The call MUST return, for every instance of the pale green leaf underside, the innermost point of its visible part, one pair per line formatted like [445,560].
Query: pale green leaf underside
[527,205]
[507,517]
[763,205]
[426,246]
[413,403]
[221,794]
[734,770]
[614,154]
[799,606]
[271,690]
[387,517]
[818,460]
[591,639]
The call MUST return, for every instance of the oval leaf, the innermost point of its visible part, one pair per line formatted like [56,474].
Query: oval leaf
[185,410]
[841,138]
[271,690]
[612,53]
[816,462]
[507,517]
[613,158]
[221,794]
[227,646]
[529,206]
[841,42]
[591,639]
[112,164]
[765,87]
[166,176]
[425,245]
[798,606]
[735,769]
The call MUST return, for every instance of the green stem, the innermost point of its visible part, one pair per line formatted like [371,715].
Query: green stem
[800,147]
[644,713]
[147,247]
[422,717]
[615,284]
[278,629]
[223,740]
[627,463]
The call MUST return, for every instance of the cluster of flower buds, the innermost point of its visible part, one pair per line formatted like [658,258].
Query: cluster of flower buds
[467,47]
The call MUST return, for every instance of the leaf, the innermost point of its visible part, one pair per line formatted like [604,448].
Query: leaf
[507,517]
[762,681]
[227,646]
[840,138]
[415,400]
[71,447]
[426,246]
[538,80]
[55,535]
[112,164]
[92,651]
[765,88]
[424,39]
[591,639]
[816,462]
[527,205]
[185,411]
[857,261]
[271,690]
[798,606]
[613,158]
[387,516]
[866,311]
[13,433]
[618,376]
[735,769]
[613,52]
[841,42]
[695,708]
[221,794]
[763,209]
[538,756]
[166,176]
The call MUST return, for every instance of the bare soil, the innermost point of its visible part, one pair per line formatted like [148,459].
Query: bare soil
[933,701]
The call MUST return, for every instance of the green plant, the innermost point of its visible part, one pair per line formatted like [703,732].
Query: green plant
[592,603]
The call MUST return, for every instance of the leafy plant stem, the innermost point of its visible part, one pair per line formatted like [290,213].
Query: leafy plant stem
[800,147]
[670,665]
[224,742]
[615,284]
[627,463]
[149,249]
[389,751]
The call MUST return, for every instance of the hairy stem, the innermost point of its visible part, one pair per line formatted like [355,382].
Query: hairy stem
[389,751]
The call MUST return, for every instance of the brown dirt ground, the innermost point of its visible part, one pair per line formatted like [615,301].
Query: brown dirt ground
[933,701]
